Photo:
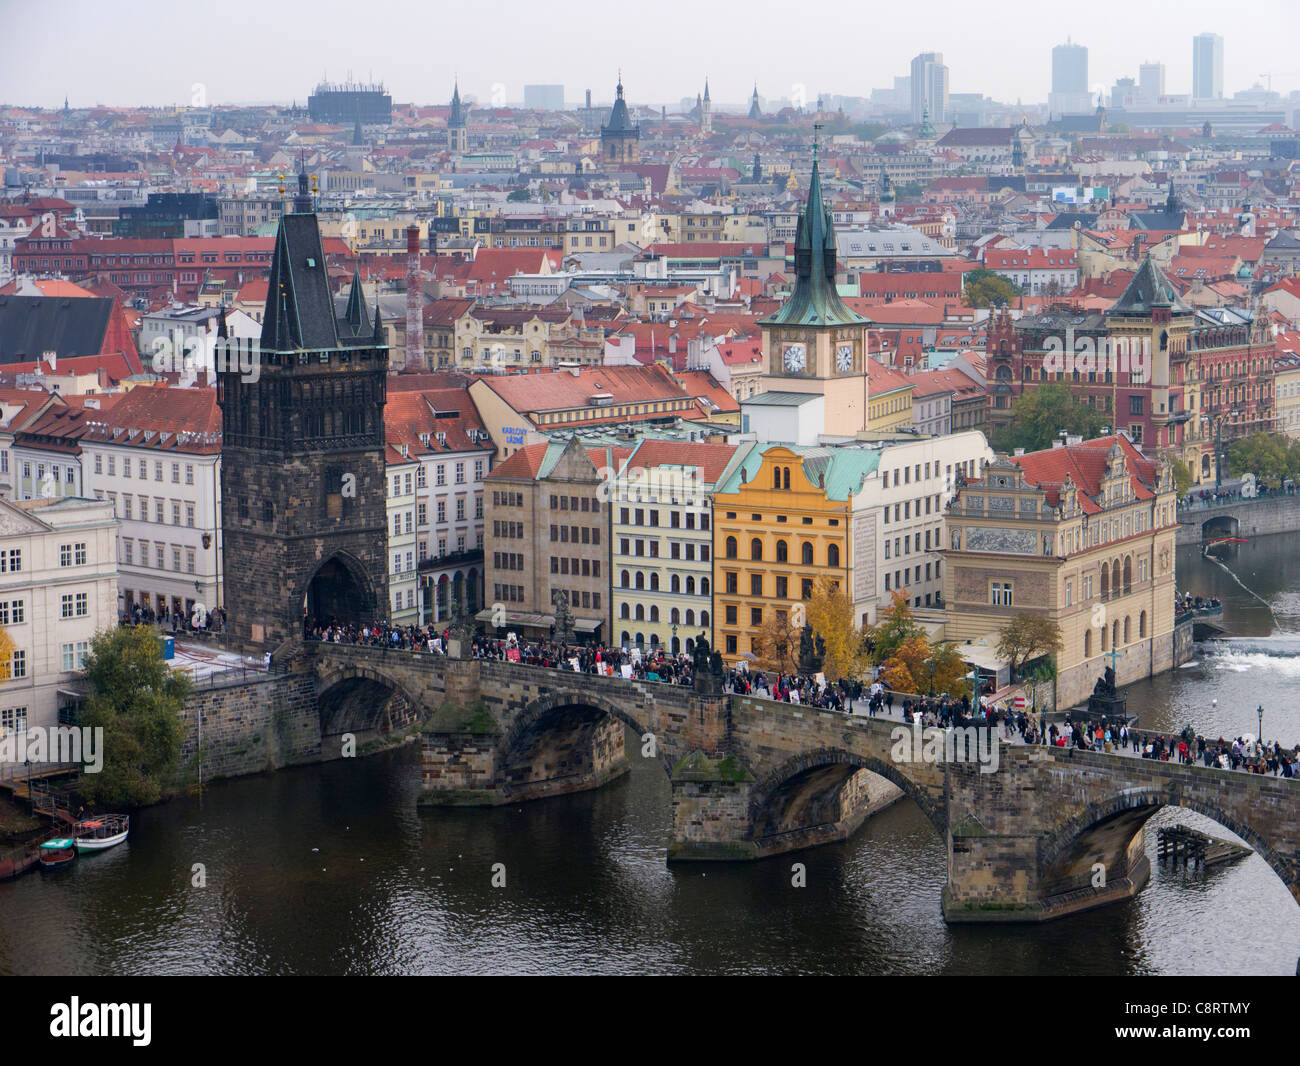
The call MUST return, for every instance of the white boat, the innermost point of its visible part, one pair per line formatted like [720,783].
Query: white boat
[98,834]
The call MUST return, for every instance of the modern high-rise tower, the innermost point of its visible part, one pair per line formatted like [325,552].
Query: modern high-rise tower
[1070,94]
[929,87]
[1207,67]
[1151,82]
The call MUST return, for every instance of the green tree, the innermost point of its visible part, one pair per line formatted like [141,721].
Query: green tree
[1269,456]
[1039,414]
[136,698]
[1027,636]
[896,627]
[987,288]
[517,196]
[1182,477]
[945,671]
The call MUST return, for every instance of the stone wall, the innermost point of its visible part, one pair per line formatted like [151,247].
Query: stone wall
[1255,518]
[250,726]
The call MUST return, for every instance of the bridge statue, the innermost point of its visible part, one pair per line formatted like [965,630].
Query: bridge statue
[460,635]
[563,618]
[1106,700]
[706,668]
[812,652]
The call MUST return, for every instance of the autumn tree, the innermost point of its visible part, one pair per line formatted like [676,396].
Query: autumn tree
[905,670]
[777,642]
[1028,636]
[946,672]
[830,613]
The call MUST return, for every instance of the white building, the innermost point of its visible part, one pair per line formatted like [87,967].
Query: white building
[403,583]
[58,587]
[155,456]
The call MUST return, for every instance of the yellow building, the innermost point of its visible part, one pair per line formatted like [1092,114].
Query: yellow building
[890,404]
[1286,383]
[1082,534]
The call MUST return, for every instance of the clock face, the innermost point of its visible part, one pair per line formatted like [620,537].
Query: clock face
[844,357]
[796,358]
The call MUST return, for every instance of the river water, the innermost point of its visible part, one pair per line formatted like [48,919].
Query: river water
[332,869]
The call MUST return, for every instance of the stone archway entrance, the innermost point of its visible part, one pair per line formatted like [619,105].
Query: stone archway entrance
[339,591]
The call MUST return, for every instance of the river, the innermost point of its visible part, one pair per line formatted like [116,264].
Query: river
[332,869]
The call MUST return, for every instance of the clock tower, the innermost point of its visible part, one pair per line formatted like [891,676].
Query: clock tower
[813,344]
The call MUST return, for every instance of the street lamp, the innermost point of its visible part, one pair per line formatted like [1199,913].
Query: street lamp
[1260,711]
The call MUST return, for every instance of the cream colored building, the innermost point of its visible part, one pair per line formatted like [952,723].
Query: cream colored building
[1082,534]
[58,588]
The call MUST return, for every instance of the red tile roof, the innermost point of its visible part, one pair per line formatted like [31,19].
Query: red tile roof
[1085,465]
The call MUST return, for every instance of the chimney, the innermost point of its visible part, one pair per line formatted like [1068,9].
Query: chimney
[414,301]
[51,357]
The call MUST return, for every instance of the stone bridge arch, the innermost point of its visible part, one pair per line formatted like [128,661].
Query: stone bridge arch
[568,739]
[358,697]
[1223,525]
[771,786]
[1093,833]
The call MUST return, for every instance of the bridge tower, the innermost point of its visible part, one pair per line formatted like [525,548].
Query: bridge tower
[302,466]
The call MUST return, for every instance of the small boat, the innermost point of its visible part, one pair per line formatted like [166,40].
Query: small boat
[57,852]
[18,861]
[99,834]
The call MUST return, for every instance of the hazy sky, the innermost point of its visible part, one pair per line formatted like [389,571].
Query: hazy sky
[154,52]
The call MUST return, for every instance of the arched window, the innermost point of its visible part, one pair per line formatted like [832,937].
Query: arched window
[640,616]
[1087,643]
[640,639]
[624,611]
[690,617]
[704,618]
[654,616]
[786,479]
[625,637]
[675,585]
[806,554]
[776,477]
[1105,581]
[832,555]
[1116,571]
[1142,625]
[1114,634]
[704,586]
[1128,575]
[782,552]
[640,580]
[756,549]
[731,547]
[676,646]
[1127,638]
[627,580]
[674,616]
[654,582]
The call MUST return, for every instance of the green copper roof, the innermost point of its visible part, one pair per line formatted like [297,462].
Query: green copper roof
[839,470]
[814,301]
[1149,288]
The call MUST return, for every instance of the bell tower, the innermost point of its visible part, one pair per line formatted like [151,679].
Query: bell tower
[813,343]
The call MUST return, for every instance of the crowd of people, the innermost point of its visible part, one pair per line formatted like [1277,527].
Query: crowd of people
[1185,601]
[196,623]
[844,696]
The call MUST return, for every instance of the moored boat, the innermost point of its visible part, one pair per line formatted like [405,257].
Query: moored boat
[98,834]
[17,861]
[57,852]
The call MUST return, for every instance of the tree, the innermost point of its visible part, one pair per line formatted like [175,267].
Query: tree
[830,613]
[1041,413]
[988,288]
[1182,477]
[897,625]
[519,196]
[1269,456]
[905,670]
[1040,674]
[1027,636]
[777,643]
[136,698]
[946,672]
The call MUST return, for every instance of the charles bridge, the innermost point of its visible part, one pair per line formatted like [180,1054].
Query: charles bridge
[749,777]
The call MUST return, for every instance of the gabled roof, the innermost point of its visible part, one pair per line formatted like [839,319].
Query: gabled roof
[1085,465]
[1148,289]
[299,307]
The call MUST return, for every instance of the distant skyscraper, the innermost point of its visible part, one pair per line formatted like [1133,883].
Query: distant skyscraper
[929,87]
[544,97]
[1151,82]
[1207,67]
[1070,94]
